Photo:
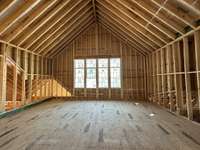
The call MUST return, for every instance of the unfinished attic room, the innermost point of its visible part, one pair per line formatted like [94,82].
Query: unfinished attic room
[99,74]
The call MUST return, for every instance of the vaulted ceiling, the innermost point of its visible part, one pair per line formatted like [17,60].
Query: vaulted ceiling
[42,26]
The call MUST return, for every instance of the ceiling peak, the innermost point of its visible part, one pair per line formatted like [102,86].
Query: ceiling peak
[94,9]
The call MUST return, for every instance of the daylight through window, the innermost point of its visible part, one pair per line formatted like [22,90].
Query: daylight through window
[91,73]
[79,66]
[104,71]
[115,73]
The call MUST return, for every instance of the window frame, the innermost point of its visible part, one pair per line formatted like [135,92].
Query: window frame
[86,73]
[107,73]
[97,73]
[76,68]
[110,68]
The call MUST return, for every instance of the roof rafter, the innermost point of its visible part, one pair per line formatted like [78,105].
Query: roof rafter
[5,5]
[21,39]
[157,25]
[119,31]
[175,13]
[69,39]
[55,26]
[193,5]
[17,13]
[124,38]
[163,19]
[128,30]
[12,34]
[63,34]
[136,20]
[46,27]
[94,9]
[129,23]
[16,21]
[123,32]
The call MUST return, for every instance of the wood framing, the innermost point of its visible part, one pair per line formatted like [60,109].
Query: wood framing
[20,77]
[3,77]
[98,42]
[157,42]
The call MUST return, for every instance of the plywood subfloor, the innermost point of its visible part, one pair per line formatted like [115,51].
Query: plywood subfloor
[97,125]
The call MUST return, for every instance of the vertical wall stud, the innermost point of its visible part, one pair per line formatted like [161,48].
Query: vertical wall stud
[197,54]
[136,74]
[97,52]
[14,96]
[121,65]
[3,77]
[177,77]
[23,79]
[187,79]
[169,81]
[154,77]
[158,75]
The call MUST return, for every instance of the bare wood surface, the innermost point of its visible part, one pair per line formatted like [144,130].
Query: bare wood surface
[97,125]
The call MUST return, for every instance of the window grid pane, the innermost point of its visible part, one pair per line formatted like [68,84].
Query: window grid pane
[115,77]
[115,62]
[115,73]
[91,73]
[103,63]
[103,73]
[79,63]
[91,63]
[79,73]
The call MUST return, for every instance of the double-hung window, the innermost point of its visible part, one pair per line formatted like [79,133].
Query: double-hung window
[79,76]
[115,75]
[90,73]
[103,73]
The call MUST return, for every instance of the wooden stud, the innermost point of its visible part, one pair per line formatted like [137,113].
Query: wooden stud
[187,79]
[158,77]
[121,65]
[197,54]
[169,77]
[3,77]
[177,78]
[97,52]
[154,77]
[14,96]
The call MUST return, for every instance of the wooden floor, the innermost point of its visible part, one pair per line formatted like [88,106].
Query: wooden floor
[97,125]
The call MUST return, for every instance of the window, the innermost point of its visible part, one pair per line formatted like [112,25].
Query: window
[103,73]
[86,71]
[79,66]
[91,73]
[115,73]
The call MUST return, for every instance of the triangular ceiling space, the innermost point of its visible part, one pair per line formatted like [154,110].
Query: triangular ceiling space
[46,26]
